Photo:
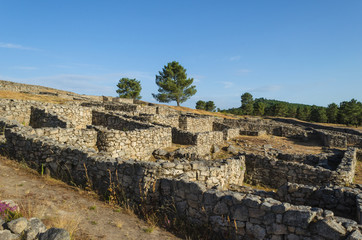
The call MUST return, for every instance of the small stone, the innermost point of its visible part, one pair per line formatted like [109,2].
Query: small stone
[35,226]
[18,225]
[329,229]
[55,234]
[356,235]
[7,235]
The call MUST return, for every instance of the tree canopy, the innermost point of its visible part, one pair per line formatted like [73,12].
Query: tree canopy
[207,106]
[129,88]
[247,103]
[173,84]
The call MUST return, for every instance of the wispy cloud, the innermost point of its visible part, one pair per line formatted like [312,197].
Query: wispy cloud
[227,84]
[234,58]
[25,68]
[16,46]
[267,88]
[242,71]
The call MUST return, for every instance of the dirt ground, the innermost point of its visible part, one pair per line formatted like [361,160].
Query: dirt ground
[78,211]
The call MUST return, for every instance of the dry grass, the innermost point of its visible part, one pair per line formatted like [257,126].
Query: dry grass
[34,97]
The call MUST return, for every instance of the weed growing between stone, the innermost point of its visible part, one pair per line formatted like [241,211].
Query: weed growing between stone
[9,213]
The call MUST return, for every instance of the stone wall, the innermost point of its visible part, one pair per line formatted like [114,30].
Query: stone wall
[16,110]
[116,121]
[202,140]
[195,124]
[228,132]
[341,200]
[133,144]
[165,185]
[80,138]
[42,117]
[164,120]
[72,162]
[274,173]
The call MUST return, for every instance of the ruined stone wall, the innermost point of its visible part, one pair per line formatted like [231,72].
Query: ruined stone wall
[42,117]
[274,173]
[16,110]
[122,100]
[80,138]
[117,122]
[271,128]
[230,215]
[228,132]
[341,200]
[165,120]
[60,116]
[195,124]
[202,140]
[134,144]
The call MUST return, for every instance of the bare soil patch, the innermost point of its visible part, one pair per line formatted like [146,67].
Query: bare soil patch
[34,97]
[80,212]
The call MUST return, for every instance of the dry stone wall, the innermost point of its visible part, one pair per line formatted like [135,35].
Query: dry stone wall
[202,141]
[195,124]
[341,200]
[135,144]
[274,173]
[230,215]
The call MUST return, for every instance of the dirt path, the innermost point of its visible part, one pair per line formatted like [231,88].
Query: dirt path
[60,205]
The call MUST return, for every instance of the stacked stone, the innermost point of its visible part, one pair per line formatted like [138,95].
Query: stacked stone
[343,201]
[240,216]
[136,144]
[196,123]
[272,172]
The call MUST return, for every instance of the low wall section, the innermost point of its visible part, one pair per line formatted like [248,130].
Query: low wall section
[135,144]
[202,140]
[341,200]
[274,173]
[195,124]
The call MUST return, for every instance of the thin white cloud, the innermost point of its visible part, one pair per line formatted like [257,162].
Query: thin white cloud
[234,58]
[227,84]
[25,68]
[15,46]
[242,71]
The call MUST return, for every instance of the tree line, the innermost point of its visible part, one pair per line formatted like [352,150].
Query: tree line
[347,112]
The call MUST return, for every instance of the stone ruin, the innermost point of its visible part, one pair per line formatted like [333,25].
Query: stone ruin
[161,157]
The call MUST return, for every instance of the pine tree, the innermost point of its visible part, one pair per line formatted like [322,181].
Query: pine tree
[173,84]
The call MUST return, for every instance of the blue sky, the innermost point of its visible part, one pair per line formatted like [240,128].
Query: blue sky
[298,51]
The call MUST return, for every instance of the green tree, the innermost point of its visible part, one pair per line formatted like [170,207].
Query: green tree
[173,84]
[303,113]
[259,108]
[318,114]
[281,109]
[350,112]
[247,103]
[129,88]
[200,105]
[332,112]
[292,111]
[210,106]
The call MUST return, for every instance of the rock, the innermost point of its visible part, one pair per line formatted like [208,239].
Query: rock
[241,213]
[356,235]
[232,149]
[215,148]
[18,225]
[328,229]
[55,234]
[299,218]
[160,153]
[2,222]
[256,231]
[35,226]
[7,235]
